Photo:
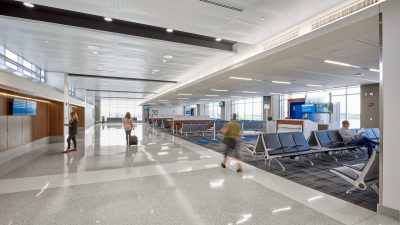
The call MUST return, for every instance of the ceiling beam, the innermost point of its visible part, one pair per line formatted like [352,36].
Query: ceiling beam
[76,19]
[121,78]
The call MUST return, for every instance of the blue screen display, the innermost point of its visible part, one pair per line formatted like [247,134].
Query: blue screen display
[308,108]
[23,107]
[324,108]
[146,107]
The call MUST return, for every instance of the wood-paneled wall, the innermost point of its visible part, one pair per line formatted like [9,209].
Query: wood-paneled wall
[19,130]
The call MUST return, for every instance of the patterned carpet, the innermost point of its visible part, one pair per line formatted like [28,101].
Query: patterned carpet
[317,177]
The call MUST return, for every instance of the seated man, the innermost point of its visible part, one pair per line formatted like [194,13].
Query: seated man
[356,139]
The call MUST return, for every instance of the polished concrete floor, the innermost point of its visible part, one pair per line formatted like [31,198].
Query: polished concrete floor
[163,180]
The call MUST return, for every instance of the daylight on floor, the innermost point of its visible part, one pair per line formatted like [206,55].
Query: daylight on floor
[203,112]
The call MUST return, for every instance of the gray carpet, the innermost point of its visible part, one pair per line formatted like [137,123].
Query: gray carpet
[317,177]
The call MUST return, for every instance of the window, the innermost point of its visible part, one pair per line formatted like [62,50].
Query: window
[348,99]
[116,108]
[11,55]
[11,65]
[27,64]
[248,108]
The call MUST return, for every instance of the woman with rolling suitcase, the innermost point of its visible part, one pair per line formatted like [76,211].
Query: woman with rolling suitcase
[128,126]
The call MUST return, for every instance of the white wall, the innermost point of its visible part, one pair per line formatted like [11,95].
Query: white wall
[55,80]
[390,105]
[89,115]
[275,107]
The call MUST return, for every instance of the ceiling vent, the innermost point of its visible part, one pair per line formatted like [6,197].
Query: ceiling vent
[282,39]
[342,13]
[223,5]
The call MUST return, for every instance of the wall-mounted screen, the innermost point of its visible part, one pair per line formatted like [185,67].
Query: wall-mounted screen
[324,108]
[308,108]
[21,107]
[221,104]
[146,107]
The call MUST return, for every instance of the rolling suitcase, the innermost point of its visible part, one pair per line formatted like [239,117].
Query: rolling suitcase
[133,140]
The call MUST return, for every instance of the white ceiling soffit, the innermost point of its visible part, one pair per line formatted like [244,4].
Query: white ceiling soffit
[356,44]
[81,51]
[260,19]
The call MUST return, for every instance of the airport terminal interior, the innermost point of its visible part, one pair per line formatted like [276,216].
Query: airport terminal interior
[123,111]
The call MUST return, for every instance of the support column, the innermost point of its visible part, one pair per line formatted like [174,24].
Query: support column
[66,104]
[389,186]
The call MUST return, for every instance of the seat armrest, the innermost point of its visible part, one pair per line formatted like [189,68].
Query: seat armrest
[358,167]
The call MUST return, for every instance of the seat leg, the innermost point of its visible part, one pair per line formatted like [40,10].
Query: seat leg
[350,190]
[309,160]
[336,160]
[254,156]
[375,188]
[280,164]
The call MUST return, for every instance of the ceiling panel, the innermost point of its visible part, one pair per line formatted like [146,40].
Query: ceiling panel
[197,17]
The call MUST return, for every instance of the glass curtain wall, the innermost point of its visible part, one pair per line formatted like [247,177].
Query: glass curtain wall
[348,97]
[248,108]
[116,108]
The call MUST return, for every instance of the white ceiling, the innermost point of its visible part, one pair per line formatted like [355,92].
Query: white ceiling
[197,17]
[66,49]
[357,44]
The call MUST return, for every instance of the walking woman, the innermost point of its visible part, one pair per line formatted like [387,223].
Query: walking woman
[72,131]
[231,133]
[128,126]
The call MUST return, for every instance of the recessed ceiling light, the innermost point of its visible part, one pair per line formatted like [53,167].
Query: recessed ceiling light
[218,39]
[30,5]
[212,95]
[163,100]
[274,93]
[92,47]
[314,85]
[220,90]
[240,78]
[108,19]
[185,94]
[374,70]
[250,92]
[156,71]
[168,57]
[164,60]
[262,18]
[95,53]
[170,30]
[280,82]
[46,41]
[359,74]
[183,98]
[236,96]
[205,99]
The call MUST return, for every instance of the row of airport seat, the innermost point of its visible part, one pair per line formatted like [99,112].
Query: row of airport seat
[282,145]
[188,128]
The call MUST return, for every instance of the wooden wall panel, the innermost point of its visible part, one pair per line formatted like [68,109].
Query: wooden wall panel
[27,128]
[40,127]
[56,119]
[14,131]
[4,105]
[3,133]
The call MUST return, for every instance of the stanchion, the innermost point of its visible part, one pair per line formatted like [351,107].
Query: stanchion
[214,139]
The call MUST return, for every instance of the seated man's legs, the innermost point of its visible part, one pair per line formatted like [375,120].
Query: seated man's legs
[365,141]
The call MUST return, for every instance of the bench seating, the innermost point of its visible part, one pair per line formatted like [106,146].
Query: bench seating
[193,128]
[360,174]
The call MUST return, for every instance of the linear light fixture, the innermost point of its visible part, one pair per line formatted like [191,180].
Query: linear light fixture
[236,96]
[212,95]
[240,78]
[108,19]
[205,99]
[185,94]
[274,93]
[183,98]
[337,63]
[249,92]
[374,70]
[281,209]
[220,90]
[22,97]
[161,100]
[314,85]
[281,82]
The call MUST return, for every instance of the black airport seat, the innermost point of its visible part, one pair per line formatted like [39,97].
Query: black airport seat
[376,132]
[257,148]
[288,144]
[272,144]
[301,142]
